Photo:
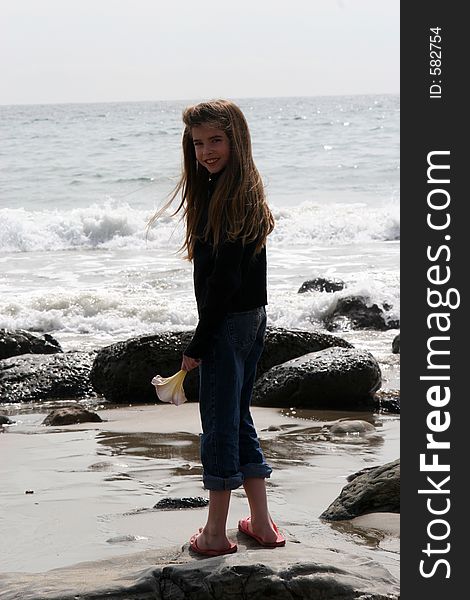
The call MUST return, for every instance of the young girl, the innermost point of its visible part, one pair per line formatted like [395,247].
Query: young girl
[227,222]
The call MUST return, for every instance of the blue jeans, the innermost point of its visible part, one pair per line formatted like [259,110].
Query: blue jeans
[230,449]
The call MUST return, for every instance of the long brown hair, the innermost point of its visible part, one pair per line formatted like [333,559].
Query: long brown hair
[238,207]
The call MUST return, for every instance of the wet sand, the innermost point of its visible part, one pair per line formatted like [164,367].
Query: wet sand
[95,485]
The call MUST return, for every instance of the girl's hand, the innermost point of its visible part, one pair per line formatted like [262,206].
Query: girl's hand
[188,363]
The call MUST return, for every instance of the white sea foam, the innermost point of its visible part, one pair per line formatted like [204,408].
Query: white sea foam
[307,310]
[108,225]
[114,313]
[118,225]
[137,302]
[336,224]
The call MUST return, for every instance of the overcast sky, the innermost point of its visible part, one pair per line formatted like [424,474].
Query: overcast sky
[117,50]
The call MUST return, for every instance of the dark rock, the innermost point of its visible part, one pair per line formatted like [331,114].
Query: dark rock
[376,489]
[355,313]
[242,577]
[396,344]
[4,420]
[331,378]
[388,401]
[320,284]
[282,345]
[123,371]
[36,377]
[18,341]
[70,415]
[290,573]
[176,503]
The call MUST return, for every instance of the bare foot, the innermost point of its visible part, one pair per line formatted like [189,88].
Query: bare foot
[206,541]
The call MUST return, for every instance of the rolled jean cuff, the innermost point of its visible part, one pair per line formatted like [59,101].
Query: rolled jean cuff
[222,483]
[261,470]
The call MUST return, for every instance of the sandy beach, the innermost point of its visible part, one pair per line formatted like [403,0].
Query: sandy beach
[95,485]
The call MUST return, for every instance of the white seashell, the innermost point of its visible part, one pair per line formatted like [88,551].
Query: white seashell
[170,389]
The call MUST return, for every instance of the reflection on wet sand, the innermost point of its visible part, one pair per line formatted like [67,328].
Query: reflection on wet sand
[285,441]
[169,446]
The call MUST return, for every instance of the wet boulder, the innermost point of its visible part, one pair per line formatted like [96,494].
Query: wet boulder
[354,312]
[375,489]
[70,415]
[37,377]
[122,372]
[282,345]
[332,378]
[17,341]
[320,284]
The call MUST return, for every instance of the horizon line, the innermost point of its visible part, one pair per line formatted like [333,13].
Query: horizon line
[328,95]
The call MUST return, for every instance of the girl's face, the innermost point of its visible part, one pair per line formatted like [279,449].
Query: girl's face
[212,147]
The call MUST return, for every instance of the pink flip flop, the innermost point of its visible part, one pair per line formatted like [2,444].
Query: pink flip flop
[280,540]
[206,552]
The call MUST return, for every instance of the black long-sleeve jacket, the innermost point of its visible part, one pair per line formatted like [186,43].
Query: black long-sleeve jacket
[231,280]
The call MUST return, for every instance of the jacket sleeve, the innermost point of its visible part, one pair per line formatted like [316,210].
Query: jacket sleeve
[223,283]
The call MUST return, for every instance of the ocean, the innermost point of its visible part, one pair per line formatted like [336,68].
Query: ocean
[78,183]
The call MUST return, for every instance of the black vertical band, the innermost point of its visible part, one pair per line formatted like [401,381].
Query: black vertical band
[434,355]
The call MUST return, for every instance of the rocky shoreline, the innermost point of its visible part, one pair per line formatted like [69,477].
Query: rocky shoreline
[307,369]
[299,372]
